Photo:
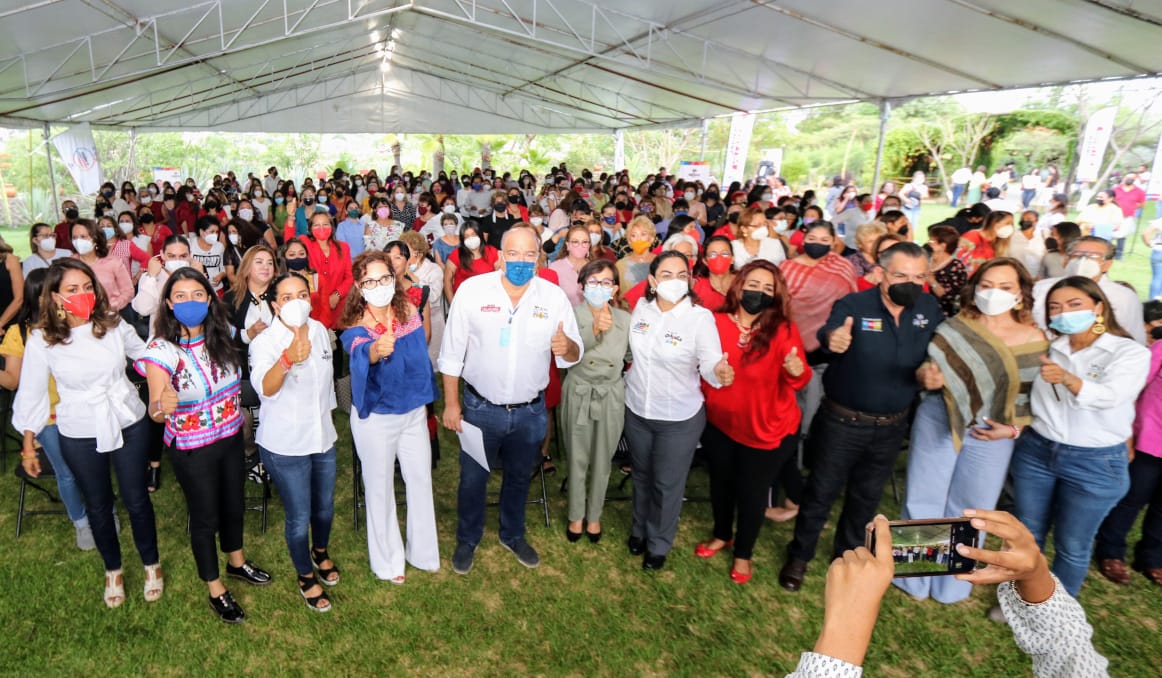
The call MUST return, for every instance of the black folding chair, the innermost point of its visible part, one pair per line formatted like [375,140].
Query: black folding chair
[47,475]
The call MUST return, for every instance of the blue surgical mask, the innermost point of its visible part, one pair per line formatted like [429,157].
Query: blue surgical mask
[191,313]
[519,273]
[679,213]
[597,295]
[610,220]
[1073,322]
[108,231]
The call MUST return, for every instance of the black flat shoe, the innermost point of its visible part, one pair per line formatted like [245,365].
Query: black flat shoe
[249,573]
[153,479]
[572,536]
[227,608]
[594,537]
[791,576]
[637,546]
[652,562]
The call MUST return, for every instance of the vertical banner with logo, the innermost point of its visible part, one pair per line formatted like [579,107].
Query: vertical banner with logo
[79,153]
[1093,144]
[737,146]
[1154,186]
[618,150]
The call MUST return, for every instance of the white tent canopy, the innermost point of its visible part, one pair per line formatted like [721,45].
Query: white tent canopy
[524,66]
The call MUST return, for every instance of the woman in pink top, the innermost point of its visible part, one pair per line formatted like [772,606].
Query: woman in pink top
[572,259]
[1145,477]
[93,249]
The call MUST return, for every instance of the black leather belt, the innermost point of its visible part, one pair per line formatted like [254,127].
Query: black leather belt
[857,417]
[509,407]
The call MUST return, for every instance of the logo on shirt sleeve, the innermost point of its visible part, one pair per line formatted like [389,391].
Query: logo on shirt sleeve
[871,324]
[920,321]
[640,327]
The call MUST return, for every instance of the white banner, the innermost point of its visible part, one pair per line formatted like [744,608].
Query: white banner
[171,174]
[694,171]
[79,154]
[1093,145]
[736,147]
[1154,188]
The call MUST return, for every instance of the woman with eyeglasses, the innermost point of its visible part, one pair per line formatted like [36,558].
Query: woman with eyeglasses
[292,372]
[392,382]
[674,342]
[192,368]
[593,399]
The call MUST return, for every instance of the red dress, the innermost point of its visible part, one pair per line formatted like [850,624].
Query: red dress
[553,390]
[334,275]
[485,264]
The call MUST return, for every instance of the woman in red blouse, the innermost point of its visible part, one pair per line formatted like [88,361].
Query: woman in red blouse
[331,262]
[471,258]
[751,425]
[713,275]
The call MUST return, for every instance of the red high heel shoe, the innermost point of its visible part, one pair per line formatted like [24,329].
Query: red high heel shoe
[704,551]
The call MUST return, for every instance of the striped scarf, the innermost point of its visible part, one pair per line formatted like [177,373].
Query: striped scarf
[983,377]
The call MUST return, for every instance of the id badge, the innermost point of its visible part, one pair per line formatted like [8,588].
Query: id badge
[505,335]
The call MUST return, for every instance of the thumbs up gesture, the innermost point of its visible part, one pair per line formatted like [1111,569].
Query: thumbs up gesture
[168,402]
[560,342]
[300,347]
[602,319]
[929,376]
[1051,372]
[724,371]
[840,338]
[793,364]
[385,344]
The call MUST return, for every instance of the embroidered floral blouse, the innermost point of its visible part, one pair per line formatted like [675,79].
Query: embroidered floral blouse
[208,395]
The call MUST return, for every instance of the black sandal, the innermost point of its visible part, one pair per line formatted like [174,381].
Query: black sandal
[320,556]
[153,478]
[306,583]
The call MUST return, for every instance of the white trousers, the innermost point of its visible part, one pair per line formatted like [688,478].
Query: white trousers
[380,440]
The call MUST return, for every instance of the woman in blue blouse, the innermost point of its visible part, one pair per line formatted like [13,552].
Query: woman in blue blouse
[391,384]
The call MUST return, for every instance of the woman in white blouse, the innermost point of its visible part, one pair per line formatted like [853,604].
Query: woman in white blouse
[83,344]
[674,343]
[1071,466]
[756,241]
[192,368]
[291,369]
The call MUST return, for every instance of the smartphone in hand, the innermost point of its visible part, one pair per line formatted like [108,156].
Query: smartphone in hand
[927,548]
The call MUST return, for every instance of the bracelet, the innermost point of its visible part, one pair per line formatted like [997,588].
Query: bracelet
[285,362]
[24,455]
[1016,431]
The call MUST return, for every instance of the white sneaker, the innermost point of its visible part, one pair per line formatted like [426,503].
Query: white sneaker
[85,537]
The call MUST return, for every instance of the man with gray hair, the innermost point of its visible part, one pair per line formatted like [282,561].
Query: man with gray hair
[1091,257]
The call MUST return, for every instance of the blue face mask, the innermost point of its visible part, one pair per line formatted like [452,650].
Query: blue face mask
[108,232]
[597,296]
[519,273]
[679,213]
[1073,322]
[191,313]
[610,220]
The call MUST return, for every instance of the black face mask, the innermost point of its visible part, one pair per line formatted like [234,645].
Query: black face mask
[1051,244]
[710,196]
[72,214]
[905,293]
[1156,333]
[903,230]
[211,205]
[146,218]
[816,250]
[309,200]
[298,264]
[1026,225]
[500,206]
[755,302]
[621,205]
[733,218]
[514,199]
[169,196]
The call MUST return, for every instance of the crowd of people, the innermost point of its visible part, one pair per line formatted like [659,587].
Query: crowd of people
[761,332]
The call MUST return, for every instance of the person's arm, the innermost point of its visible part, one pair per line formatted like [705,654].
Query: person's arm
[121,291]
[17,276]
[453,350]
[837,327]
[1122,381]
[139,255]
[163,400]
[31,407]
[449,277]
[149,289]
[10,375]
[709,347]
[269,368]
[796,371]
[426,315]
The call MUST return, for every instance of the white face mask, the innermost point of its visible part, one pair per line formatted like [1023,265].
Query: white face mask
[142,242]
[210,238]
[673,290]
[233,238]
[399,197]
[449,209]
[245,214]
[145,200]
[47,244]
[536,221]
[1086,268]
[174,265]
[472,242]
[295,312]
[82,246]
[780,226]
[594,239]
[767,197]
[1004,232]
[689,196]
[451,229]
[995,301]
[125,226]
[759,233]
[379,296]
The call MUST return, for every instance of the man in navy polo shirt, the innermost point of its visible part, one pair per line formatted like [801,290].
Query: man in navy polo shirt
[876,341]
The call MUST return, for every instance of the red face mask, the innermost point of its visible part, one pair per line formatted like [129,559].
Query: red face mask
[719,265]
[321,232]
[80,304]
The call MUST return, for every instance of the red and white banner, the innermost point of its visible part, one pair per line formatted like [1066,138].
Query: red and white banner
[737,146]
[79,153]
[1093,145]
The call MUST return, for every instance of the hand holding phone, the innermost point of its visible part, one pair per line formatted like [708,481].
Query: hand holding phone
[1019,560]
[927,548]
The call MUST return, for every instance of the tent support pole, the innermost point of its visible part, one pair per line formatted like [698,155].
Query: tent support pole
[705,132]
[47,132]
[618,150]
[885,113]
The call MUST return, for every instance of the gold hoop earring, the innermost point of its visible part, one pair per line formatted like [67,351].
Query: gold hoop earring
[1099,326]
[1020,305]
[60,311]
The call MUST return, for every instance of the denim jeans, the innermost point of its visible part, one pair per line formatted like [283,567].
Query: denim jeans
[957,192]
[66,484]
[307,486]
[861,458]
[91,470]
[943,482]
[1145,488]
[512,441]
[1155,273]
[1070,489]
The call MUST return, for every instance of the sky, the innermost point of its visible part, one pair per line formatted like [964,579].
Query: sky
[1133,91]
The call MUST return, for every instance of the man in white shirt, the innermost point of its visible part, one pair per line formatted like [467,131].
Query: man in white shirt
[1091,257]
[960,179]
[1101,218]
[477,201]
[502,329]
[270,181]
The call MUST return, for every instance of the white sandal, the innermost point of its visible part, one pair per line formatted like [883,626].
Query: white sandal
[154,583]
[114,588]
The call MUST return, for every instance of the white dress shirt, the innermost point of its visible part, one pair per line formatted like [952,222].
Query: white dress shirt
[148,296]
[1113,373]
[1124,302]
[672,351]
[295,420]
[96,398]
[770,249]
[254,313]
[502,351]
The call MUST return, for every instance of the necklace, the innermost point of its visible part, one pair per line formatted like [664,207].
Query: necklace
[744,332]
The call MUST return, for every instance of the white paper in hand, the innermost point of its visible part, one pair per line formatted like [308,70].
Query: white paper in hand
[472,442]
